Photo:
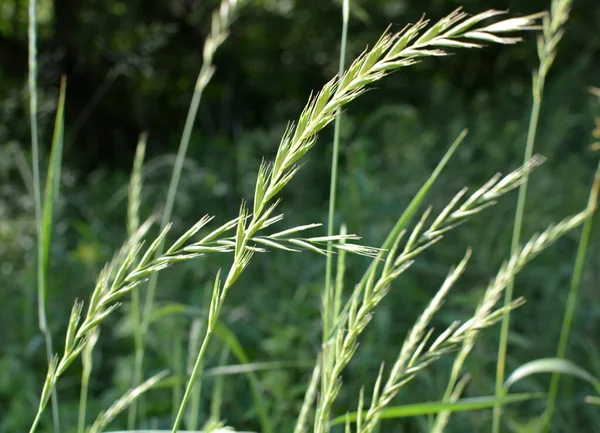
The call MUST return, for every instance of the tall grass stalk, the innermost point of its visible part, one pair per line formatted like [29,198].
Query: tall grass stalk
[194,341]
[328,307]
[309,398]
[86,373]
[221,19]
[573,295]
[546,47]
[178,369]
[329,299]
[389,242]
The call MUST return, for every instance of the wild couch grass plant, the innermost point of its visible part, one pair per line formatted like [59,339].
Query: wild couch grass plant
[346,315]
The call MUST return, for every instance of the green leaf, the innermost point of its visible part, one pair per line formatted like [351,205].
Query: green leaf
[255,366]
[551,365]
[428,408]
[53,181]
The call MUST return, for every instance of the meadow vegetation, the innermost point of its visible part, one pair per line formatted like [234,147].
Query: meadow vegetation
[444,281]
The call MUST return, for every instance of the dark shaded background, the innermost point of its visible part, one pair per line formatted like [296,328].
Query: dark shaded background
[131,67]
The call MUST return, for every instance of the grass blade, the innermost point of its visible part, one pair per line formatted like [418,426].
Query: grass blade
[551,365]
[51,195]
[434,407]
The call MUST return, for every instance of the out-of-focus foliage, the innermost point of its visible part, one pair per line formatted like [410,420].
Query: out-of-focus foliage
[131,66]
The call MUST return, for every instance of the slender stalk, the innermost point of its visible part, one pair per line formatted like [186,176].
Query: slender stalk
[573,295]
[309,398]
[86,358]
[327,309]
[220,23]
[194,340]
[138,343]
[328,301]
[516,239]
[339,279]
[547,44]
[37,196]
[178,371]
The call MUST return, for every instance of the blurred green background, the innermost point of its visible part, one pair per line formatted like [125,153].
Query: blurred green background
[131,67]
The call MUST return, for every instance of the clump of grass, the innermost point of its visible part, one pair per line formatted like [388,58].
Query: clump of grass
[375,285]
[246,235]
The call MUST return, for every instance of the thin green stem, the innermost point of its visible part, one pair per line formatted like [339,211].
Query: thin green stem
[174,184]
[178,371]
[86,358]
[573,295]
[202,81]
[36,421]
[516,239]
[220,23]
[83,396]
[327,310]
[328,307]
[195,333]
[37,196]
[240,260]
[547,43]
[82,406]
